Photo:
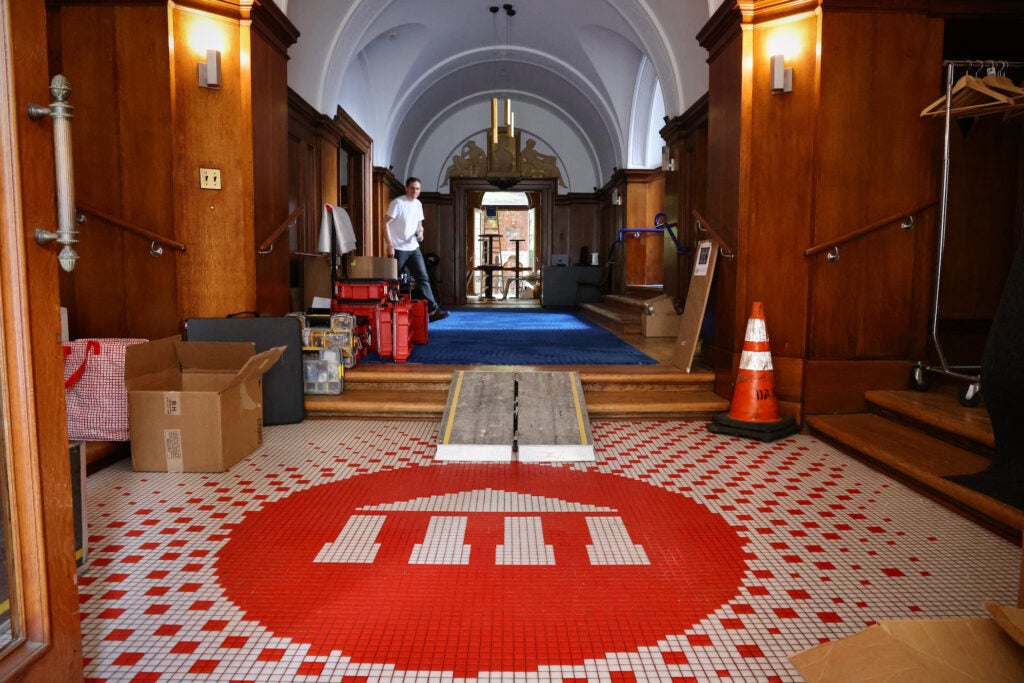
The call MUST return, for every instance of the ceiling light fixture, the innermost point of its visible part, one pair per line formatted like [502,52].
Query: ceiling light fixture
[510,116]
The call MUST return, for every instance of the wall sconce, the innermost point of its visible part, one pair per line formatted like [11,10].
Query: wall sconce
[781,75]
[209,72]
[616,197]
[667,162]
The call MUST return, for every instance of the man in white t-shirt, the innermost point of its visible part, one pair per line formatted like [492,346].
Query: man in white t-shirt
[403,230]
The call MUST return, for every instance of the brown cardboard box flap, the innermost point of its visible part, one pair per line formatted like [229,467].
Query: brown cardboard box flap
[256,366]
[1010,619]
[218,357]
[660,305]
[144,360]
[917,651]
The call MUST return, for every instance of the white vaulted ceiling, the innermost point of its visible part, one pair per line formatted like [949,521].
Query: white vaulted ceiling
[590,80]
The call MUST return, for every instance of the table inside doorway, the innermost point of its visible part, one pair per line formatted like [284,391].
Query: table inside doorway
[489,267]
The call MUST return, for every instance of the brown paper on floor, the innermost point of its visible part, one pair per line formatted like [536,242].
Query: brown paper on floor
[1010,619]
[917,651]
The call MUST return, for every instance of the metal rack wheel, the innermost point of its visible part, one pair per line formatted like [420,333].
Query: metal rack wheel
[970,396]
[919,378]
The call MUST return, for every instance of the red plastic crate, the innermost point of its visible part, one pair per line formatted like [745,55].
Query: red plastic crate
[402,337]
[385,330]
[419,316]
[365,290]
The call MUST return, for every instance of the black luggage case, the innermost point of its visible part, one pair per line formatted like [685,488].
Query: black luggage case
[283,396]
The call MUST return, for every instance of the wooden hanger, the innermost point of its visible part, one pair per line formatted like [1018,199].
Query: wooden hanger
[970,96]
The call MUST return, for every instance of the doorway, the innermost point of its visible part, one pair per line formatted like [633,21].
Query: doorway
[488,231]
[502,246]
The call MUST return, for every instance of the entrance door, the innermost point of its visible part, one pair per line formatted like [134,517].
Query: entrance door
[462,189]
[44,643]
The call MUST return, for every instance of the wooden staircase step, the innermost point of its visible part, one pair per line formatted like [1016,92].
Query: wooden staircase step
[638,304]
[918,459]
[430,404]
[619,318]
[939,411]
[677,404]
[361,402]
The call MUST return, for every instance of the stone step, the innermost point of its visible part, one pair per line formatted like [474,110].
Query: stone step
[921,461]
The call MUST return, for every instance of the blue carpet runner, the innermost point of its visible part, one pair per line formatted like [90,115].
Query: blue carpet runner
[488,336]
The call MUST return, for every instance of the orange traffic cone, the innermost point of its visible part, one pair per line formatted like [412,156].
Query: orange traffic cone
[754,411]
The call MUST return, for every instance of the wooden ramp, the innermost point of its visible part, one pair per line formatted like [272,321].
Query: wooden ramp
[495,416]
[552,424]
[479,418]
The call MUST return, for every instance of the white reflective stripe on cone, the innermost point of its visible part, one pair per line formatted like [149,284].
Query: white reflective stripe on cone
[756,360]
[756,330]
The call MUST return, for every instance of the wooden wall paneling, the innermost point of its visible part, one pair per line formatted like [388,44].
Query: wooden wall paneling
[89,59]
[385,188]
[839,386]
[270,172]
[359,148]
[439,239]
[327,153]
[146,153]
[674,197]
[304,185]
[775,222]
[560,231]
[213,129]
[642,198]
[875,160]
[33,402]
[695,172]
[575,226]
[685,190]
[980,236]
[726,109]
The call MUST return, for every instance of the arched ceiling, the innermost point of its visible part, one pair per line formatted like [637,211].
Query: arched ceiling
[590,80]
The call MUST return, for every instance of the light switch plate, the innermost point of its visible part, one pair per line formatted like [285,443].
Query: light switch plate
[209,178]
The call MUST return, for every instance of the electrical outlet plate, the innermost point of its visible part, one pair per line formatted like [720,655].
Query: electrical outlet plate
[209,178]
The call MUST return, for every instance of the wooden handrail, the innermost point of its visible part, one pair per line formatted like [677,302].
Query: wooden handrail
[268,244]
[130,227]
[727,247]
[877,225]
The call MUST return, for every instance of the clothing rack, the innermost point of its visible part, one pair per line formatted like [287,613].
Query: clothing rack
[971,394]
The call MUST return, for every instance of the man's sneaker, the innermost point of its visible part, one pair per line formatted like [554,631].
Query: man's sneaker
[438,314]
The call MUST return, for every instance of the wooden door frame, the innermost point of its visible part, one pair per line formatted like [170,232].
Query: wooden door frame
[34,418]
[546,189]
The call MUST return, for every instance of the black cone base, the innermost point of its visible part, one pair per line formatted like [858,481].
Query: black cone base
[762,431]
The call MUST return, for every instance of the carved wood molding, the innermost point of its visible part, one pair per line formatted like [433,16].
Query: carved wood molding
[271,23]
[681,126]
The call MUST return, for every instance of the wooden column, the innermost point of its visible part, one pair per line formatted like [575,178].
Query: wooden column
[786,170]
[685,190]
[213,129]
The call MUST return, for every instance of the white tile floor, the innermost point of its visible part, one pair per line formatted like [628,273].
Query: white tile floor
[340,551]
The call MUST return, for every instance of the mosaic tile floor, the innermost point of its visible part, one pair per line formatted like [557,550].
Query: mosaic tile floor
[339,551]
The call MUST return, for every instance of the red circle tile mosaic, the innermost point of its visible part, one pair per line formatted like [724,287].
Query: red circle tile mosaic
[522,556]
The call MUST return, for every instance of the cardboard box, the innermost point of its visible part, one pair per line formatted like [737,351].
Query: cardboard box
[660,318]
[361,267]
[194,406]
[316,279]
[923,651]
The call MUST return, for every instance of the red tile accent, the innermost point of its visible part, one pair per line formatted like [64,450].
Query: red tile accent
[204,666]
[129,658]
